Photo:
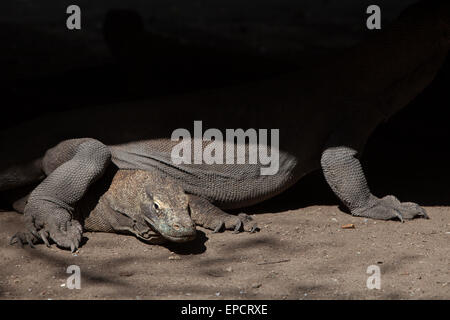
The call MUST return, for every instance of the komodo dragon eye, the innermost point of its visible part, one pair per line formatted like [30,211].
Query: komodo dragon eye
[155,205]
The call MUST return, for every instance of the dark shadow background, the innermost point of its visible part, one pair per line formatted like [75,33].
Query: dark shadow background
[129,50]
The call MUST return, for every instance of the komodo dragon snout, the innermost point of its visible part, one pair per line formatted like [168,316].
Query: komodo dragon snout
[151,206]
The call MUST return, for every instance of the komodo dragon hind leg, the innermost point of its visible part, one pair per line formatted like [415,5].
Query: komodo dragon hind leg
[72,166]
[345,176]
[205,214]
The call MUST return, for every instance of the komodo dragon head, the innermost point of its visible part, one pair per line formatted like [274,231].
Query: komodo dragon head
[150,206]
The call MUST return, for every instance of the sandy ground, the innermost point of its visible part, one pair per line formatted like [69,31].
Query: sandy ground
[299,254]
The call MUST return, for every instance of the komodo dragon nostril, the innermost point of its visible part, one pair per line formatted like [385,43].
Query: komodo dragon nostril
[176,226]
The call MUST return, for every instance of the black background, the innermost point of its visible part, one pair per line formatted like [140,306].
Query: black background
[128,50]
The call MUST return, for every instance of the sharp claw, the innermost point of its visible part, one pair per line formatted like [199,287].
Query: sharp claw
[219,227]
[43,236]
[424,214]
[238,227]
[399,216]
[34,232]
[72,247]
[14,239]
[254,229]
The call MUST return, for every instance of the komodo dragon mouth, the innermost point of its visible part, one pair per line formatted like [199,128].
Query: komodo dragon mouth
[161,230]
[147,231]
[151,235]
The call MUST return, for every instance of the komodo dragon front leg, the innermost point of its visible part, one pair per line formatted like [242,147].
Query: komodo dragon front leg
[211,217]
[71,167]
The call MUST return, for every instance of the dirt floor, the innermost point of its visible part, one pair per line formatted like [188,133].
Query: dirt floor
[298,254]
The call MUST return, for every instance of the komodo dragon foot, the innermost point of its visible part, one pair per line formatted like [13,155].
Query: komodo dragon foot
[235,223]
[40,226]
[390,207]
[211,217]
[345,176]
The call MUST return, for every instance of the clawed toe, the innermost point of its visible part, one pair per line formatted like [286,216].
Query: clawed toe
[23,238]
[390,207]
[67,238]
[219,227]
[44,236]
[411,210]
[245,223]
[238,227]
[242,222]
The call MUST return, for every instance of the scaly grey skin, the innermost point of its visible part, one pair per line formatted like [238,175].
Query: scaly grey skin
[146,204]
[151,207]
[324,114]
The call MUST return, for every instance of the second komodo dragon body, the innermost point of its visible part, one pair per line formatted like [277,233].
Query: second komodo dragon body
[324,115]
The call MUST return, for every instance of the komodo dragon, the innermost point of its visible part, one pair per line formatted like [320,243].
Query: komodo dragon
[148,205]
[324,115]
